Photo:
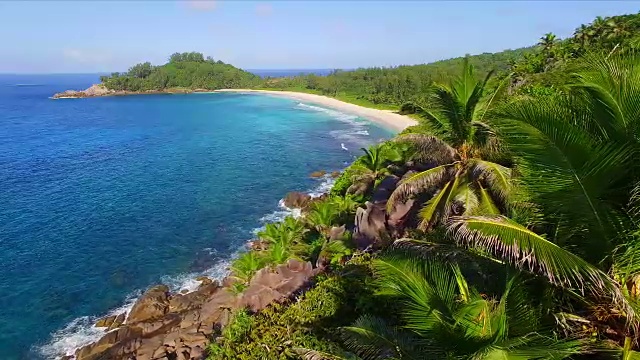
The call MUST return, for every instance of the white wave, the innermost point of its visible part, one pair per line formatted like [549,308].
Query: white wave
[344,147]
[352,136]
[326,183]
[80,332]
[347,118]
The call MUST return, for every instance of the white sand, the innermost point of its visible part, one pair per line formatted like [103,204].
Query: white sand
[385,118]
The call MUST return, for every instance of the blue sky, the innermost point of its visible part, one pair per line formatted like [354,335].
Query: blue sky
[95,36]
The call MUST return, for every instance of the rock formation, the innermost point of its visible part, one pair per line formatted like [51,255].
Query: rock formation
[164,326]
[297,200]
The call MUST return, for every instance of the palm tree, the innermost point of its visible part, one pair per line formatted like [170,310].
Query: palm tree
[576,159]
[548,42]
[460,182]
[373,165]
[444,317]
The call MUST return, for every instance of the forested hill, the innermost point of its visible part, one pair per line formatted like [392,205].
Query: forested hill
[394,85]
[533,69]
[190,70]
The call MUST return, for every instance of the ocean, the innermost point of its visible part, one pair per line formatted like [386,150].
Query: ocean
[101,198]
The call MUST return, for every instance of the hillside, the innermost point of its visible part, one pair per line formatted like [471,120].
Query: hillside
[184,70]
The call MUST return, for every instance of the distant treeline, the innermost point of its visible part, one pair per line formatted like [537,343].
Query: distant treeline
[534,69]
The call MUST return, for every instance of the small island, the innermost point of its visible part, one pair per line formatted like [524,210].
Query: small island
[184,73]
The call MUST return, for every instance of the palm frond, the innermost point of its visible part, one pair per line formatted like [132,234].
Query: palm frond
[428,148]
[372,338]
[437,207]
[427,287]
[495,176]
[419,182]
[527,250]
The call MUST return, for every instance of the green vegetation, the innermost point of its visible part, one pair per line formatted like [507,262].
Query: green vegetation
[186,71]
[524,242]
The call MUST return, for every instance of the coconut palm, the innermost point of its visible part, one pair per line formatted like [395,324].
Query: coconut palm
[460,181]
[445,317]
[548,42]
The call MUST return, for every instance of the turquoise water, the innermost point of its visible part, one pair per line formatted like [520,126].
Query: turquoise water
[104,197]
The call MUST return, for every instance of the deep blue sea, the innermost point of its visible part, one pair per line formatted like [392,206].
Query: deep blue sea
[101,198]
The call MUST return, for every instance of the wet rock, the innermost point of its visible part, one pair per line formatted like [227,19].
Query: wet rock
[335,174]
[296,200]
[318,174]
[204,280]
[370,225]
[152,304]
[118,321]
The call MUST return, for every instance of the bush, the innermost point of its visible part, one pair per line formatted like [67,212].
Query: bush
[311,322]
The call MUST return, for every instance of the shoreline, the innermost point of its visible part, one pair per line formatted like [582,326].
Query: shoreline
[385,118]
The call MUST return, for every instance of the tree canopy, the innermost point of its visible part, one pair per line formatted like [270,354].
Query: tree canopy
[188,70]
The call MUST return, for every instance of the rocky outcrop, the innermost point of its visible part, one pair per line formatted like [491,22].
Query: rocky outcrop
[151,305]
[111,322]
[335,174]
[370,225]
[384,190]
[98,90]
[93,91]
[162,325]
[277,285]
[318,174]
[297,200]
[337,232]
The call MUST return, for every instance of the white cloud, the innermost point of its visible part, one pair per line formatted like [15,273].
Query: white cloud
[201,5]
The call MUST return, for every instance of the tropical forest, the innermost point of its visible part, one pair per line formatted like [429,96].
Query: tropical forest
[505,225]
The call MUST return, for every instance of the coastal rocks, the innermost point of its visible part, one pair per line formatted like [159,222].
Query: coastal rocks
[276,285]
[100,90]
[151,305]
[111,322]
[297,200]
[335,174]
[370,225]
[93,91]
[162,325]
[318,174]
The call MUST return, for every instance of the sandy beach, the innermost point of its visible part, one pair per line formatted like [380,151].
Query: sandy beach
[385,118]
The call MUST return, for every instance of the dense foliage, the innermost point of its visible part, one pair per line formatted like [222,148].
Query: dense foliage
[184,70]
[525,239]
